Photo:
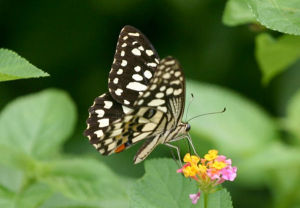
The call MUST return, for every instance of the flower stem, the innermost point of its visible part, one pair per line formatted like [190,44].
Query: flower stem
[205,199]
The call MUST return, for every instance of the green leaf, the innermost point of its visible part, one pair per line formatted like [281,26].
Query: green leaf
[12,67]
[274,56]
[34,196]
[219,199]
[237,12]
[161,186]
[279,15]
[239,132]
[87,180]
[60,201]
[293,112]
[10,179]
[38,124]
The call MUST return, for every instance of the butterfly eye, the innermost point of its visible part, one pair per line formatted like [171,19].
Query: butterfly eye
[188,127]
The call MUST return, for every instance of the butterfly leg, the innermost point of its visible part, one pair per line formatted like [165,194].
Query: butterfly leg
[178,151]
[191,143]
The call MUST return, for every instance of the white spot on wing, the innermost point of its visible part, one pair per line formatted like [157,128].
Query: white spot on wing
[107,104]
[111,146]
[146,94]
[163,88]
[149,127]
[136,52]
[122,53]
[103,122]
[147,74]
[141,48]
[126,109]
[100,113]
[120,71]
[152,64]
[119,92]
[136,86]
[149,52]
[162,108]
[178,91]
[167,76]
[124,45]
[116,80]
[99,133]
[169,91]
[156,102]
[134,34]
[137,77]
[153,87]
[126,102]
[177,74]
[140,137]
[140,102]
[137,68]
[170,62]
[124,63]
[159,95]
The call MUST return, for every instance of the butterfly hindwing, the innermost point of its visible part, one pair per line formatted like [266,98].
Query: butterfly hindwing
[102,114]
[166,91]
[133,67]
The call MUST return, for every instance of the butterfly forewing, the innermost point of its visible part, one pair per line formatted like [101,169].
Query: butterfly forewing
[133,67]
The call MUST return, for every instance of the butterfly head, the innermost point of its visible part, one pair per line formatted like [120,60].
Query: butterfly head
[184,128]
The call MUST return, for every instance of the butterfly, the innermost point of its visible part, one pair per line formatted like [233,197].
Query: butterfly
[145,101]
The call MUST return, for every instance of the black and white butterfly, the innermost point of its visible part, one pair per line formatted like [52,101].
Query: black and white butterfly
[145,100]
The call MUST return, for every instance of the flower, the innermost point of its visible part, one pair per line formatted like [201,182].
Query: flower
[195,197]
[208,172]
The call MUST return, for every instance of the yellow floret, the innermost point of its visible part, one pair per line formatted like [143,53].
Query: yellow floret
[219,165]
[212,154]
[193,159]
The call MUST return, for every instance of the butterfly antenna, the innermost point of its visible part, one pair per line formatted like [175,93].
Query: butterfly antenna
[187,110]
[207,114]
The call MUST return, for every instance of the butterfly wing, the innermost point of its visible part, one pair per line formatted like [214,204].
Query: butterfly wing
[134,64]
[156,111]
[102,114]
[166,93]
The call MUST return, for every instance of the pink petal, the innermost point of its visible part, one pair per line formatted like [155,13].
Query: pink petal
[179,170]
[195,197]
[229,173]
[221,158]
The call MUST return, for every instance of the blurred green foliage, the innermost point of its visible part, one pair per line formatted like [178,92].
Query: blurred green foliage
[252,70]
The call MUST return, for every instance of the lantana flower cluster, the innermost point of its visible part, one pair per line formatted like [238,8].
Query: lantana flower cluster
[209,171]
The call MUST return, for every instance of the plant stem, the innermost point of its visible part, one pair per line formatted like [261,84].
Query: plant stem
[205,199]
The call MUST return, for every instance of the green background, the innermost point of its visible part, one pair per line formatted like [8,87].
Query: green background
[74,41]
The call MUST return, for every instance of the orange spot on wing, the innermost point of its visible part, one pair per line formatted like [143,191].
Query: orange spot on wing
[120,148]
